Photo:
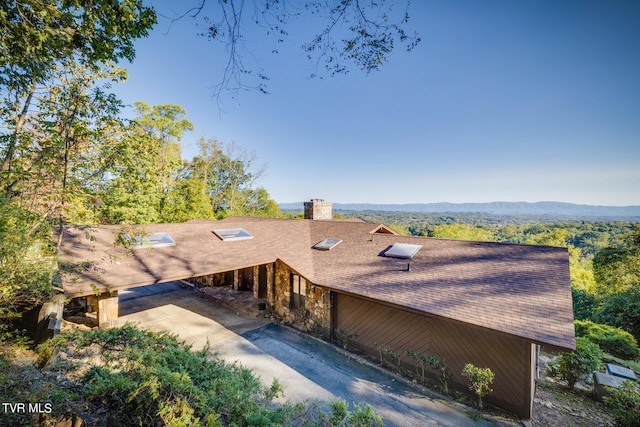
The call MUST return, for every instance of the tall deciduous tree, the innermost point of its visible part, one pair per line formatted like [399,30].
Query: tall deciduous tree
[617,267]
[146,164]
[39,43]
[229,173]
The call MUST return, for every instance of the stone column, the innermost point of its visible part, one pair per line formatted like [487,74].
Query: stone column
[236,280]
[106,307]
[270,296]
[255,279]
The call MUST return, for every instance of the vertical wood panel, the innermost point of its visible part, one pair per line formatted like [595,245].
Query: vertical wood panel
[508,357]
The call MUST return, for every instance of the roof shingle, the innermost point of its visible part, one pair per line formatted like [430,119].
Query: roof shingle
[523,290]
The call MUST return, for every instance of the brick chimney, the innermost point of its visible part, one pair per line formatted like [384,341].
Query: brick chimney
[318,209]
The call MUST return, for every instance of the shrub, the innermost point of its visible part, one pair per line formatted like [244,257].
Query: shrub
[149,378]
[435,364]
[611,339]
[480,379]
[576,365]
[359,416]
[624,403]
[344,337]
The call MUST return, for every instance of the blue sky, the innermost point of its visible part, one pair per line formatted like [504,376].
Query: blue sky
[501,101]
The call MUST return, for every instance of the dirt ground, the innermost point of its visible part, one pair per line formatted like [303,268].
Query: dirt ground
[555,405]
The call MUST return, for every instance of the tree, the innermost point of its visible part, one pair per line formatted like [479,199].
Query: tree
[39,43]
[229,173]
[187,200]
[164,125]
[462,232]
[622,311]
[145,163]
[617,267]
[26,261]
[362,34]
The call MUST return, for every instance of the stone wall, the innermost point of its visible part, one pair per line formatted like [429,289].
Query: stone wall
[316,315]
[218,279]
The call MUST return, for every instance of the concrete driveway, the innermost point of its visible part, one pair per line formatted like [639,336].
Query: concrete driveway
[306,367]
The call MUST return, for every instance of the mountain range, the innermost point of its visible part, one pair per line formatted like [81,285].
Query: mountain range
[494,208]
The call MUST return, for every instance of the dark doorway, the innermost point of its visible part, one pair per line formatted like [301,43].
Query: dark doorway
[246,279]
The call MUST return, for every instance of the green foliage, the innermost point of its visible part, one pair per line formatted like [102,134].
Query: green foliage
[480,379]
[362,416]
[610,339]
[51,56]
[576,365]
[187,200]
[149,378]
[229,174]
[26,261]
[144,166]
[624,404]
[434,364]
[388,356]
[617,267]
[463,232]
[339,411]
[622,311]
[585,304]
[359,416]
[344,337]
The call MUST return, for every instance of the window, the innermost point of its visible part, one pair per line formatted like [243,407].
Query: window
[327,244]
[402,250]
[233,234]
[153,240]
[298,292]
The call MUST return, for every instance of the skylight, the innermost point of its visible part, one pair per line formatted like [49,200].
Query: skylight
[154,240]
[233,234]
[327,244]
[402,250]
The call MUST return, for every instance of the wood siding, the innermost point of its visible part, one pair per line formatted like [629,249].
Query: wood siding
[508,357]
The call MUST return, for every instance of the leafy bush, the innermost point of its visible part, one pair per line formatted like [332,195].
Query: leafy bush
[480,379]
[624,403]
[435,364]
[611,339]
[576,365]
[149,378]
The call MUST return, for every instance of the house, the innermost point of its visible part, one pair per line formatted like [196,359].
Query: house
[490,304]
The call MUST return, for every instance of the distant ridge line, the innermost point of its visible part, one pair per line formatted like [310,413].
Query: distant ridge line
[495,208]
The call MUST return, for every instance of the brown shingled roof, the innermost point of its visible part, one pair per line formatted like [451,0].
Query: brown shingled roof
[522,290]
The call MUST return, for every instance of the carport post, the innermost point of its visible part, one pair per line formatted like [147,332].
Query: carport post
[106,307]
[255,281]
[236,280]
[270,279]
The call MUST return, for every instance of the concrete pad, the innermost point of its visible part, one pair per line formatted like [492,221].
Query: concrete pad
[306,367]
